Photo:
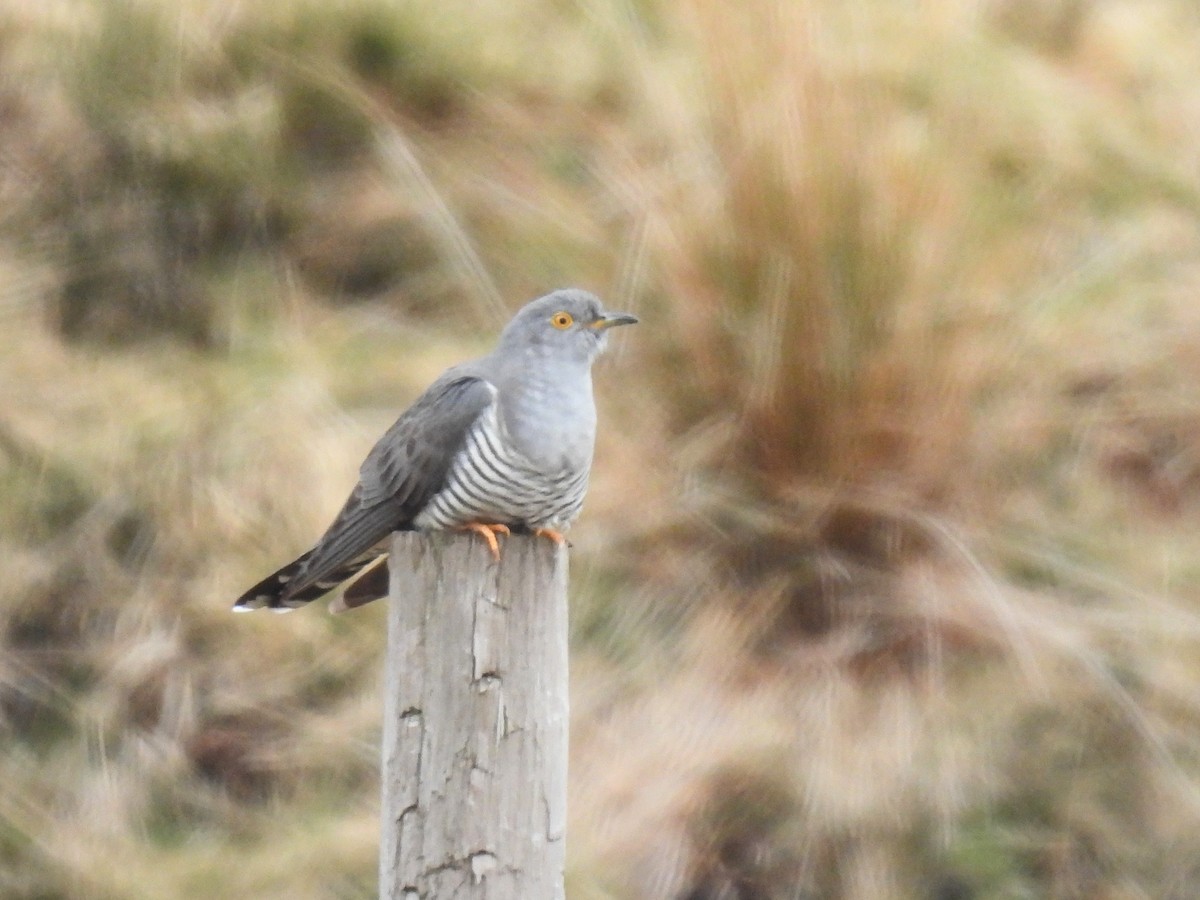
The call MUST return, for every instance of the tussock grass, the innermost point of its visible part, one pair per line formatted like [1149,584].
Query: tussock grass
[893,371]
[886,585]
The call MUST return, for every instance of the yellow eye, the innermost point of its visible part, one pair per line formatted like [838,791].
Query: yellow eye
[561,320]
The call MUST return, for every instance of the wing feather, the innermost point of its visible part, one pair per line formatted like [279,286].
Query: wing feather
[402,472]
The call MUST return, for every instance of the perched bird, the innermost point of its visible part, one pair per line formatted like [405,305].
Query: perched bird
[502,442]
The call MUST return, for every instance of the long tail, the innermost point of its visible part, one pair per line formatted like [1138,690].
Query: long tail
[272,593]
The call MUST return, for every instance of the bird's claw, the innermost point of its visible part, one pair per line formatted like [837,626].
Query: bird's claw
[557,536]
[488,533]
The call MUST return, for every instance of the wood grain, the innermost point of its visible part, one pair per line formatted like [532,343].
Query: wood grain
[475,720]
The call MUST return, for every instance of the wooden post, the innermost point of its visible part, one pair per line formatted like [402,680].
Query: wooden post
[475,720]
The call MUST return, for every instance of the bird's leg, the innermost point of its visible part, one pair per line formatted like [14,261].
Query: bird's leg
[488,532]
[557,536]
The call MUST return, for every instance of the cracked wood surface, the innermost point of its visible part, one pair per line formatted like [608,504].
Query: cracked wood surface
[475,720]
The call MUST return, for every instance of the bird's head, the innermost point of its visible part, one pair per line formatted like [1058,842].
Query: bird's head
[569,323]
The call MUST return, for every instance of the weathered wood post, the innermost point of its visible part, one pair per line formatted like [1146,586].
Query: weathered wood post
[475,720]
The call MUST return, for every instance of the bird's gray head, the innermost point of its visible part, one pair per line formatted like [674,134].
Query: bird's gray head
[567,324]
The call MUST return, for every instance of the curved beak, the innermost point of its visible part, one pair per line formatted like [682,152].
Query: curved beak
[610,319]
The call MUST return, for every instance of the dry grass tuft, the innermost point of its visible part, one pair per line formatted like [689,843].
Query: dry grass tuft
[883,396]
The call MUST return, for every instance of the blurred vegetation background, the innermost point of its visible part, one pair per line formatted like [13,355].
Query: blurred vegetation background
[888,582]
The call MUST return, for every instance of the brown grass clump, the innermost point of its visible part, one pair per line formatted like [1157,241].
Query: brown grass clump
[886,586]
[881,391]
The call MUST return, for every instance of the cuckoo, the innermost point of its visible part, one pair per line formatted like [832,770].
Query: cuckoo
[500,443]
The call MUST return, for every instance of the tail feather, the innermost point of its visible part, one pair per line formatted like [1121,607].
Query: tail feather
[371,585]
[272,592]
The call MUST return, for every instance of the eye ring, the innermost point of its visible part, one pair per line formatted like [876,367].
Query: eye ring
[562,320]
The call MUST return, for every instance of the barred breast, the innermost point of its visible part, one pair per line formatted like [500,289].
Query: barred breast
[492,482]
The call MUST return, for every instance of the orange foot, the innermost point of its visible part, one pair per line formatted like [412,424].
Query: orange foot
[489,533]
[556,536]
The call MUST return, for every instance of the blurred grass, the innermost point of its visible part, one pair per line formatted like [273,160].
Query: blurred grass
[887,583]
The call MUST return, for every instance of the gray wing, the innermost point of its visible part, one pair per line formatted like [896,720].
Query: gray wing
[399,476]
